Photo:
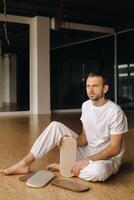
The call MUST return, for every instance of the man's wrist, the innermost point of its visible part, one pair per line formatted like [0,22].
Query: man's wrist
[89,161]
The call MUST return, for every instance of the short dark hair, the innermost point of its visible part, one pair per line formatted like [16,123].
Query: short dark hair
[96,74]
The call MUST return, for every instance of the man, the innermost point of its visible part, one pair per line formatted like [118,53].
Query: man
[100,146]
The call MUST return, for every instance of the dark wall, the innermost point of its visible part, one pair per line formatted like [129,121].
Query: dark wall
[18,36]
[70,67]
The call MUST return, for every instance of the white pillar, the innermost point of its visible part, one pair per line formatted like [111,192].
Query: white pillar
[6,79]
[40,65]
[13,79]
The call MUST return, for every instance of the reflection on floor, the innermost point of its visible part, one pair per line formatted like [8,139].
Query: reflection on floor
[17,135]
[7,107]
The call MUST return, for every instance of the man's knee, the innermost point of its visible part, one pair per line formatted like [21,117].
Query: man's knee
[55,123]
[97,171]
[100,172]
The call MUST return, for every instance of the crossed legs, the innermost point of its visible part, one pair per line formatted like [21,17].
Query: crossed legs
[50,137]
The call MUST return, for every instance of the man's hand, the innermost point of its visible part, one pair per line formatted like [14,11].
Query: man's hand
[78,166]
[59,144]
[81,139]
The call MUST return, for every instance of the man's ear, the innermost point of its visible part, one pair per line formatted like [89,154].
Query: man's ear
[106,88]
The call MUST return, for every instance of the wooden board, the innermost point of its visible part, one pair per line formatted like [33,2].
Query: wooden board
[67,156]
[40,179]
[26,177]
[70,185]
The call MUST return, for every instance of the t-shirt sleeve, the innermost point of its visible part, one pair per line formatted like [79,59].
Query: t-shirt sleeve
[118,123]
[83,108]
[81,112]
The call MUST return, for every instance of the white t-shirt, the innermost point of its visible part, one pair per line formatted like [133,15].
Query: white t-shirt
[100,122]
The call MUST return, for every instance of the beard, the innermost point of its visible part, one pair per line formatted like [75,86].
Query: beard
[96,97]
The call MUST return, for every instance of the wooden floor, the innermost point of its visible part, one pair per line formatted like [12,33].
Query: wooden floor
[17,135]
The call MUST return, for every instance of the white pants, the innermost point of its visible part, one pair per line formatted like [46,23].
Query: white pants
[94,171]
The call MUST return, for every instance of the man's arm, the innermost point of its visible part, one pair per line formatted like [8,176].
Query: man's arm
[112,150]
[81,139]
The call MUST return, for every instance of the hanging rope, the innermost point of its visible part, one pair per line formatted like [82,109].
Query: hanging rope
[59,15]
[5,22]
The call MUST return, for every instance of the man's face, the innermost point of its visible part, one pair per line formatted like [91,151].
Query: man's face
[95,88]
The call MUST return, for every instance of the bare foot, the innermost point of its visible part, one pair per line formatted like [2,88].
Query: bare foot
[19,168]
[53,167]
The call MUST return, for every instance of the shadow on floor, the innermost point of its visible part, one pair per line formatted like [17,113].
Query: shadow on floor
[125,173]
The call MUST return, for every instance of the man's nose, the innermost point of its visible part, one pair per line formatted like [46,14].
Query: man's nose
[90,89]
